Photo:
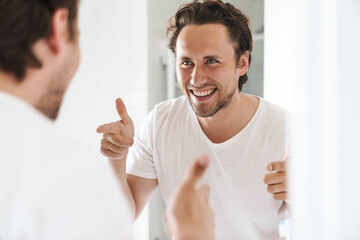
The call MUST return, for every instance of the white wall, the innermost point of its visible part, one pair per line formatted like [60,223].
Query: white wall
[277,79]
[349,119]
[314,71]
[113,39]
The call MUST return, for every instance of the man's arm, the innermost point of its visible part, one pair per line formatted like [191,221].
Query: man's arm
[137,189]
[141,189]
[117,138]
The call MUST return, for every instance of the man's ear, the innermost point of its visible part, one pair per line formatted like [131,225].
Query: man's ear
[59,30]
[243,63]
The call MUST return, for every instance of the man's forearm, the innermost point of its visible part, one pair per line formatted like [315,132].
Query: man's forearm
[119,167]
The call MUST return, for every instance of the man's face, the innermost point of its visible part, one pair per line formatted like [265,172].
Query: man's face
[206,66]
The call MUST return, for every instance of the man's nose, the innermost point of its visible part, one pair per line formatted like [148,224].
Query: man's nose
[198,76]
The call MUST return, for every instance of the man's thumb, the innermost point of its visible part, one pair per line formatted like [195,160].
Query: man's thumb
[197,169]
[121,109]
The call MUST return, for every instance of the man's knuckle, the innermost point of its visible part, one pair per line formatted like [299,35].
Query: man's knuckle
[277,196]
[104,151]
[282,165]
[266,179]
[116,140]
[121,141]
[278,165]
[123,150]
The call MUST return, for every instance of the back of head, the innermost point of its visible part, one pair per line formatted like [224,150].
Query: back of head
[214,11]
[24,22]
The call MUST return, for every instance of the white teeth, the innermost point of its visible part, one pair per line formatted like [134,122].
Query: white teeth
[203,93]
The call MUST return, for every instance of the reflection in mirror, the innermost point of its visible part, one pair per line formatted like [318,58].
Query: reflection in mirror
[129,59]
[163,81]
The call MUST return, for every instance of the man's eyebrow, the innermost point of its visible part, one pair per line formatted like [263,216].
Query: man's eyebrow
[184,58]
[212,57]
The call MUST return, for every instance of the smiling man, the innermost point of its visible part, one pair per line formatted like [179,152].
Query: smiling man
[208,72]
[243,135]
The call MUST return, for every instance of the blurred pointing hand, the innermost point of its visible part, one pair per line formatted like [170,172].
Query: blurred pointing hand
[189,215]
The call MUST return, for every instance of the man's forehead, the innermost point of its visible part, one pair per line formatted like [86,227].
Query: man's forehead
[194,31]
[207,39]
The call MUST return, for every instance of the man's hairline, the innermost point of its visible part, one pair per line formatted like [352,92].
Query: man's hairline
[237,58]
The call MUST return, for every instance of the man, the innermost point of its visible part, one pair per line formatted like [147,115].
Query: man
[243,134]
[51,187]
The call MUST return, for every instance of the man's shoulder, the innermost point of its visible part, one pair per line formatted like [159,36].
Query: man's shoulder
[175,104]
[271,109]
[272,115]
[55,177]
[38,142]
[169,114]
[171,109]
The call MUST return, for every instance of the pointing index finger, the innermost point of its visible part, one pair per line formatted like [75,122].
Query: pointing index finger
[197,169]
[108,128]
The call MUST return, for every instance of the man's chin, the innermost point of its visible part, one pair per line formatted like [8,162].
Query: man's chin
[50,104]
[203,111]
[51,111]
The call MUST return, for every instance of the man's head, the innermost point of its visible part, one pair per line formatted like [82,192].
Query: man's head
[212,42]
[39,51]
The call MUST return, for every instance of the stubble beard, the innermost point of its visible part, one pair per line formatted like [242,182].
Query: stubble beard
[50,103]
[203,110]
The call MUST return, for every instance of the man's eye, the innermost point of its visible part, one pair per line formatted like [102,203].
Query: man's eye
[186,63]
[211,61]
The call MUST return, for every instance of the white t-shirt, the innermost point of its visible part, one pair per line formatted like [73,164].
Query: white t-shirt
[52,187]
[171,138]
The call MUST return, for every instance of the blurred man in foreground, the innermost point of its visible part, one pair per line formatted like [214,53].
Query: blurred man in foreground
[51,186]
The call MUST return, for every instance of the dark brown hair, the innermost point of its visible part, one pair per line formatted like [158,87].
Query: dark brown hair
[214,11]
[24,22]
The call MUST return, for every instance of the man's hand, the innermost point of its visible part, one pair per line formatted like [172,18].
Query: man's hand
[276,180]
[189,215]
[117,136]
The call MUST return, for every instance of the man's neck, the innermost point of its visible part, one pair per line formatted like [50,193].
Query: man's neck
[230,120]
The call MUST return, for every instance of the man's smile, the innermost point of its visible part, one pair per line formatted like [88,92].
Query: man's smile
[203,94]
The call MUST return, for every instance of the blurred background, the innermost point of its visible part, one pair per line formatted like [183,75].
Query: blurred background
[305,60]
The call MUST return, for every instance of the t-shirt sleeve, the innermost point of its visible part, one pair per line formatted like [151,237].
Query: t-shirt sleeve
[140,160]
